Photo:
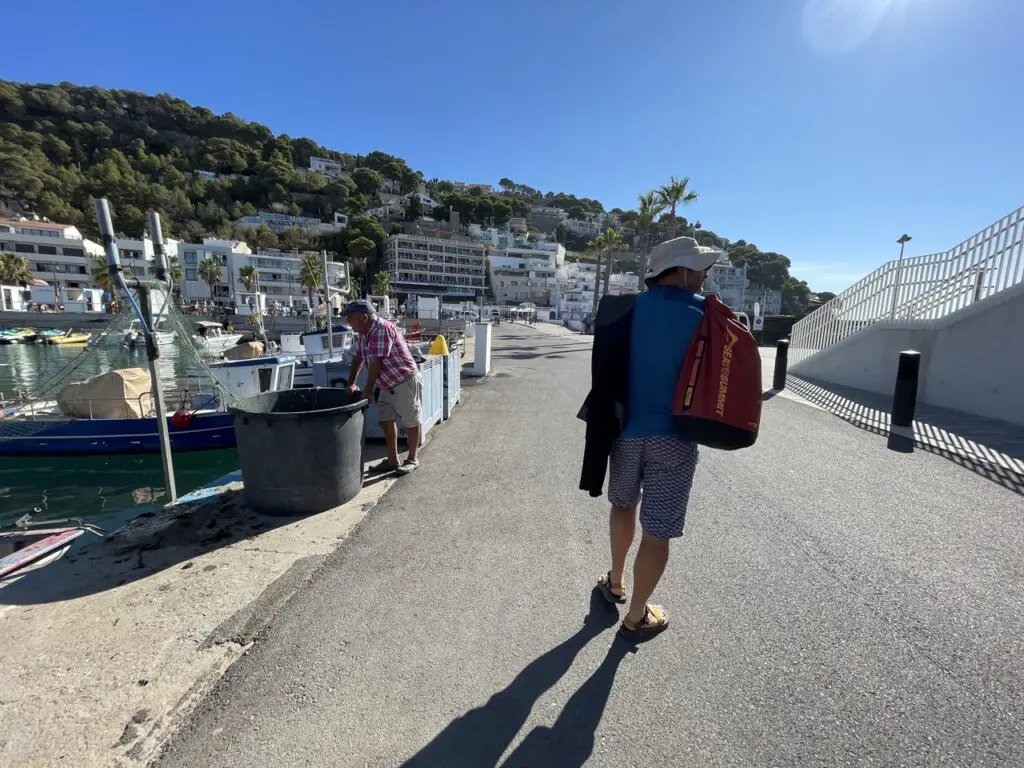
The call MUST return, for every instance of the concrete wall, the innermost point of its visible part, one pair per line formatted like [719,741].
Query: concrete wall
[971,360]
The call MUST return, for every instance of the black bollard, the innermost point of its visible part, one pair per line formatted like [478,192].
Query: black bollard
[781,363]
[904,396]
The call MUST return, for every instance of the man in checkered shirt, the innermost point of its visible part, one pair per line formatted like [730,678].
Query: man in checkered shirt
[392,371]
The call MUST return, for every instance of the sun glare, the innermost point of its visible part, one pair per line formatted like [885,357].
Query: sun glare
[841,26]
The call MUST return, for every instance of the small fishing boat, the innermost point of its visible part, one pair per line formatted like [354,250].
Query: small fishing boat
[18,336]
[48,333]
[133,336]
[212,339]
[75,425]
[70,337]
[311,347]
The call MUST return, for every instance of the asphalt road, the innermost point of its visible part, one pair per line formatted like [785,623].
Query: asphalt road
[834,603]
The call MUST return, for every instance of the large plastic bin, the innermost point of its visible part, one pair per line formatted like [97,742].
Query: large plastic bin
[301,450]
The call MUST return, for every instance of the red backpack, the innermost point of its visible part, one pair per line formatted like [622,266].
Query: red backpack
[718,393]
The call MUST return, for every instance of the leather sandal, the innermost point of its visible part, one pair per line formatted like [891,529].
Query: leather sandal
[605,585]
[654,622]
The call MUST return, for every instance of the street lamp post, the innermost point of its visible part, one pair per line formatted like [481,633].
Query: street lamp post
[904,239]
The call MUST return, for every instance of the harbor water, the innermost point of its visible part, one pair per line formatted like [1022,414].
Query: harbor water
[104,490]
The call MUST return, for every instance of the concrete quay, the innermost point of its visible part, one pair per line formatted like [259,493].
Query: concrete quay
[835,601]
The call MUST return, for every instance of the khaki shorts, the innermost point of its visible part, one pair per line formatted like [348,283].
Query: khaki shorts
[401,403]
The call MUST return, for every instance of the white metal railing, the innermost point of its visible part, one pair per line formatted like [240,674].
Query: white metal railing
[921,288]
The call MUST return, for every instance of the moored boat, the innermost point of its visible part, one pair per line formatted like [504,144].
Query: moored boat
[70,338]
[213,339]
[75,425]
[18,336]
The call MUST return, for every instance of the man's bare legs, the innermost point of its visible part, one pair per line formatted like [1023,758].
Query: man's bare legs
[391,441]
[414,442]
[622,529]
[648,567]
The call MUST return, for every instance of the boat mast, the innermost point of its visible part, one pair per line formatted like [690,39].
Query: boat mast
[145,314]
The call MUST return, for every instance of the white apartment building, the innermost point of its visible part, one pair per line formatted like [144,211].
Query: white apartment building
[280,276]
[387,212]
[462,186]
[729,282]
[576,288]
[582,227]
[546,210]
[328,168]
[428,266]
[279,273]
[191,255]
[282,222]
[57,254]
[770,301]
[522,274]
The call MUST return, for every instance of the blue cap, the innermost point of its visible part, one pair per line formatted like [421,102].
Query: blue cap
[359,305]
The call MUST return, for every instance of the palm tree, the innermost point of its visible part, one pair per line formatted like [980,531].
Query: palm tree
[209,272]
[382,283]
[175,270]
[596,247]
[14,270]
[248,277]
[676,193]
[311,273]
[650,207]
[612,242]
[101,274]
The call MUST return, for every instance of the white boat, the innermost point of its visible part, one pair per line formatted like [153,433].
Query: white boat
[241,378]
[211,337]
[311,346]
[133,336]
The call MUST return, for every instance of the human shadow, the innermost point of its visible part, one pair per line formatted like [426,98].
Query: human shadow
[481,736]
[569,743]
[172,537]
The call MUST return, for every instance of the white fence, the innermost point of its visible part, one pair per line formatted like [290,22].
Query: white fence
[918,289]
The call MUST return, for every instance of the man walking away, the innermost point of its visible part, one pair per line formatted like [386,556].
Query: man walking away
[391,368]
[648,459]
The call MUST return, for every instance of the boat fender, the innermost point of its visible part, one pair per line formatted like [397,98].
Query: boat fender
[181,419]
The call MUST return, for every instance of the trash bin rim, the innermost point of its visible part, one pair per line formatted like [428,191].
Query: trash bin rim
[358,405]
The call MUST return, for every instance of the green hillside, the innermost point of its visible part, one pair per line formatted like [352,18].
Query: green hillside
[61,145]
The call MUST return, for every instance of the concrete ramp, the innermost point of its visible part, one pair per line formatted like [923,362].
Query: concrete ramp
[972,360]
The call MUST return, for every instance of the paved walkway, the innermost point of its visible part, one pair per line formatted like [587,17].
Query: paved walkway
[834,603]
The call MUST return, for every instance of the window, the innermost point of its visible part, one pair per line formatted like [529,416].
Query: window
[24,248]
[190,274]
[48,250]
[191,257]
[73,251]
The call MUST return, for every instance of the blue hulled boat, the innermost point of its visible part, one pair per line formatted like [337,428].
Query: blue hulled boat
[45,429]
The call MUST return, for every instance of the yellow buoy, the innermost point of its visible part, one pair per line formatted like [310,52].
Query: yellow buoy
[439,346]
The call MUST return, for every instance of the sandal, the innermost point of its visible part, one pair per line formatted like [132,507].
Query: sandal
[604,584]
[654,622]
[382,467]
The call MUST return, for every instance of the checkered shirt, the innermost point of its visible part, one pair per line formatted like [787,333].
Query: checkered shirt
[384,341]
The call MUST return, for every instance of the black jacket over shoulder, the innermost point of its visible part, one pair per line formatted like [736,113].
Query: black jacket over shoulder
[604,410]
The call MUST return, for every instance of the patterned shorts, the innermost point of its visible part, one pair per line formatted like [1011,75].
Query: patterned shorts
[661,470]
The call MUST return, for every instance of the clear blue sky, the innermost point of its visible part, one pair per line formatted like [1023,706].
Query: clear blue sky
[822,129]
